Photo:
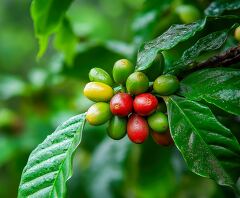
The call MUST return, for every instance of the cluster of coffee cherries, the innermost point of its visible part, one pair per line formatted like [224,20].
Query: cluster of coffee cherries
[131,107]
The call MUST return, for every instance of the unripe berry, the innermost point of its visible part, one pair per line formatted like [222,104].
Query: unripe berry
[137,83]
[98,92]
[121,70]
[100,75]
[145,104]
[137,129]
[121,104]
[158,122]
[98,113]
[117,127]
[166,85]
[237,33]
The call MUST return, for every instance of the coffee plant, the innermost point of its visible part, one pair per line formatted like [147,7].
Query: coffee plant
[176,90]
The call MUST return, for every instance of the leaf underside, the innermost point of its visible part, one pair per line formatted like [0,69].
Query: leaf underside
[50,164]
[66,41]
[210,149]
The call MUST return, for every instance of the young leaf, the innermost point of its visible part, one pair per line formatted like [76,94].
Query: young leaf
[66,41]
[47,15]
[50,164]
[217,8]
[209,149]
[218,86]
[174,35]
[208,43]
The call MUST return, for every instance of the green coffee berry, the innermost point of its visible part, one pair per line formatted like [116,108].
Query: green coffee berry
[237,33]
[117,127]
[166,85]
[121,70]
[137,83]
[158,122]
[100,75]
[99,113]
[98,92]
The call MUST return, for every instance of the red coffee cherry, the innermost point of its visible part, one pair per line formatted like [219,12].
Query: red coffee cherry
[164,139]
[137,129]
[145,104]
[121,104]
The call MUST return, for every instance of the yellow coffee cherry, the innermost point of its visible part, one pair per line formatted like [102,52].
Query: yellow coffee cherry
[237,34]
[98,92]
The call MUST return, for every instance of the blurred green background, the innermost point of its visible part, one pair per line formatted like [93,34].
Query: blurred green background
[36,96]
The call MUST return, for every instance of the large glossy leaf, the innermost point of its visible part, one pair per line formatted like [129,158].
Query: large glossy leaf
[209,148]
[218,86]
[47,16]
[174,35]
[208,43]
[50,164]
[218,7]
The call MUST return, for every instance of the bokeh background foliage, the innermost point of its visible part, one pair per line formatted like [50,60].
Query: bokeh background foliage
[37,96]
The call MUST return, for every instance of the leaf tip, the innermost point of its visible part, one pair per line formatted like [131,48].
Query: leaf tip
[43,43]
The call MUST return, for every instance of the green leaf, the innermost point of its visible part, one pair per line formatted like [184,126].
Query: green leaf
[43,44]
[47,16]
[208,43]
[66,41]
[218,86]
[50,164]
[107,168]
[217,8]
[209,148]
[174,35]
